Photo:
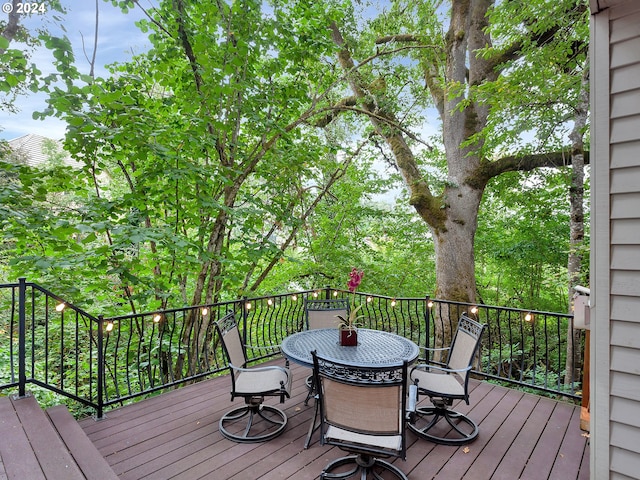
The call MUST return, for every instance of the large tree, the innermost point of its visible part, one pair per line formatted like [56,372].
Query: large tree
[465,73]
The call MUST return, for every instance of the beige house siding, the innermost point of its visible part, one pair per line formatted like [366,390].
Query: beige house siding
[615,260]
[31,150]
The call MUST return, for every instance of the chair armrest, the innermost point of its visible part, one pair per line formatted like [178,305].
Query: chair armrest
[413,398]
[428,366]
[265,347]
[424,351]
[261,369]
[435,349]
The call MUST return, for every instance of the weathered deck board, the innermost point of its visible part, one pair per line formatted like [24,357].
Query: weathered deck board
[85,454]
[50,446]
[53,457]
[175,435]
[19,460]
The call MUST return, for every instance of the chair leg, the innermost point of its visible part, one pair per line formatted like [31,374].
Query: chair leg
[315,425]
[311,387]
[459,429]
[263,422]
[364,467]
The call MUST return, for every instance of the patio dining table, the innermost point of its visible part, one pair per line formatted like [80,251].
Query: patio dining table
[375,348]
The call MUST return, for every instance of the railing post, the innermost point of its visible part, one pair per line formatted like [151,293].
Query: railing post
[22,336]
[427,321]
[245,315]
[100,386]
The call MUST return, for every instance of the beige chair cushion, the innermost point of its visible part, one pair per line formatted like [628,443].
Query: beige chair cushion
[447,385]
[262,380]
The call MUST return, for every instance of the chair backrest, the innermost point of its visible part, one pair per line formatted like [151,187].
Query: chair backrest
[363,400]
[323,313]
[231,340]
[465,344]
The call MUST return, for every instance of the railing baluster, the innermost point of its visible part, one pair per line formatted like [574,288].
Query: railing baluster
[22,335]
[101,372]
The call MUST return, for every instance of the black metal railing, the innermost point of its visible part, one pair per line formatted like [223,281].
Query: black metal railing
[50,343]
[526,348]
[106,361]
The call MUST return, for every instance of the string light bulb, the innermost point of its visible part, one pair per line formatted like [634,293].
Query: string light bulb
[474,309]
[528,317]
[369,299]
[60,307]
[393,302]
[270,302]
[294,297]
[247,305]
[429,304]
[109,327]
[157,317]
[205,311]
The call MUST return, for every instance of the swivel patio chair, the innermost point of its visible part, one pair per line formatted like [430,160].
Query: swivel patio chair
[445,383]
[323,314]
[255,421]
[362,411]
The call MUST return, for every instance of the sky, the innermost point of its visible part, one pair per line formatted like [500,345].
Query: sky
[118,40]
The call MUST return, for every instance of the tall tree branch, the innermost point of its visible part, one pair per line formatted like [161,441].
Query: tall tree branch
[430,70]
[151,19]
[421,197]
[513,51]
[520,163]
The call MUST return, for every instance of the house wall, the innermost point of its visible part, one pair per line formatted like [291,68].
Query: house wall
[615,254]
[30,150]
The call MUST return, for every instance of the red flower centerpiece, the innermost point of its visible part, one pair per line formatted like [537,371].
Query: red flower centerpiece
[348,326]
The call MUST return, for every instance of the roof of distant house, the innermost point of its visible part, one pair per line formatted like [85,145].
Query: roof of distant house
[30,150]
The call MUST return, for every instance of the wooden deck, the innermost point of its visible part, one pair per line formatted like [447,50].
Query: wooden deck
[175,436]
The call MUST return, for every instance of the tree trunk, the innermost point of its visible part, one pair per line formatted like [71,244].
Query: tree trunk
[576,199]
[197,326]
[455,262]
[11,28]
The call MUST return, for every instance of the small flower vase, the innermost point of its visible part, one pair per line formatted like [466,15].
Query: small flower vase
[348,337]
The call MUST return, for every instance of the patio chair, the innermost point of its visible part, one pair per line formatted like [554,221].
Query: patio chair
[322,314]
[445,383]
[362,411]
[255,421]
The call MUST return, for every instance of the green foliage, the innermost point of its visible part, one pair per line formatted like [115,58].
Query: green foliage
[200,157]
[358,226]
[533,101]
[18,74]
[15,70]
[523,241]
[172,184]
